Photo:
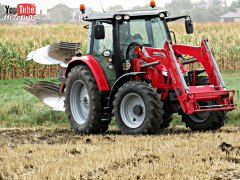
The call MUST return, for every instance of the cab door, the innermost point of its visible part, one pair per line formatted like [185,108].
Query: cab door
[102,45]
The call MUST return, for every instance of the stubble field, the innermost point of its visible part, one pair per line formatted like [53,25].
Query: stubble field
[174,154]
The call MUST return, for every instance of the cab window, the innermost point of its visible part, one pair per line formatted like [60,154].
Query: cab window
[101,45]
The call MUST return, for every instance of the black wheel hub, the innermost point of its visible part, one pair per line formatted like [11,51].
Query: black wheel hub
[138,110]
[85,102]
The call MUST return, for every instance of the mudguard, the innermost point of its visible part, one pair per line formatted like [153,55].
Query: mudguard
[94,66]
[120,81]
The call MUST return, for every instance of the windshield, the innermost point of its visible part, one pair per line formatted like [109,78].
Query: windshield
[148,31]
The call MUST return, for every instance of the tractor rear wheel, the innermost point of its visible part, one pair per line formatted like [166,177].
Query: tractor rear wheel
[82,101]
[206,120]
[137,109]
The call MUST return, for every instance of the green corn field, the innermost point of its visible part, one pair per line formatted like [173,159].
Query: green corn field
[16,41]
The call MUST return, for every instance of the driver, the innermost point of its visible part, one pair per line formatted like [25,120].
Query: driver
[126,39]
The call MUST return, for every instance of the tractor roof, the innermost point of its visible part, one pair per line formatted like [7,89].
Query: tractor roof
[131,13]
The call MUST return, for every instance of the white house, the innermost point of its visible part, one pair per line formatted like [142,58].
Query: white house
[231,16]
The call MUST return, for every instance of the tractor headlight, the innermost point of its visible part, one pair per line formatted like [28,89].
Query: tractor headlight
[118,17]
[167,14]
[161,15]
[126,17]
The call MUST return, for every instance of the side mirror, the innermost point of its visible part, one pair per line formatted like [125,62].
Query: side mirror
[174,36]
[99,32]
[189,26]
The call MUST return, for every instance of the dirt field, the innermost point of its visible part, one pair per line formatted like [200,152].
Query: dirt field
[173,154]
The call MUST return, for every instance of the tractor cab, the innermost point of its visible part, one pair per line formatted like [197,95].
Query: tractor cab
[112,34]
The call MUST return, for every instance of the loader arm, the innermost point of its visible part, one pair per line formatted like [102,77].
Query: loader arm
[204,56]
[189,96]
[176,75]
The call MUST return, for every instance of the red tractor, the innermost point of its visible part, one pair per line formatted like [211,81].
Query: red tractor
[134,71]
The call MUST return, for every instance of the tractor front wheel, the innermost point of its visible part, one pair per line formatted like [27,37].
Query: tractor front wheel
[137,109]
[204,121]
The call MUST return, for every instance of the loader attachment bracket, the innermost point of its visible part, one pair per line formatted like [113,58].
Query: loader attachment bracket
[189,96]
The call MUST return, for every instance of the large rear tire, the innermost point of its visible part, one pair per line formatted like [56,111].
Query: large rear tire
[82,102]
[207,120]
[137,109]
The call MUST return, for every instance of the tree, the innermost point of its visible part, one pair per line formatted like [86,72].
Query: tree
[216,3]
[177,7]
[2,11]
[115,8]
[235,4]
[146,6]
[2,14]
[199,15]
[201,3]
[61,14]
[224,3]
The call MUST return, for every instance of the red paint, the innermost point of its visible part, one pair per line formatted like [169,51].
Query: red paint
[94,67]
[26,9]
[164,76]
[188,99]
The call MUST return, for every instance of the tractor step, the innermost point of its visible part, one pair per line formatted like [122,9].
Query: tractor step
[106,110]
[106,114]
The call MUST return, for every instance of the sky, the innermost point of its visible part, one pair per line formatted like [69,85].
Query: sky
[127,4]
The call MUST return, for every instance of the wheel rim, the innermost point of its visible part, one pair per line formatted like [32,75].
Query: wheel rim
[200,117]
[133,110]
[79,102]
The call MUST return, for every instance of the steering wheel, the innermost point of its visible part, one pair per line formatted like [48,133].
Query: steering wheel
[131,46]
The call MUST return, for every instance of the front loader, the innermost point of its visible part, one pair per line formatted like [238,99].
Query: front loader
[133,71]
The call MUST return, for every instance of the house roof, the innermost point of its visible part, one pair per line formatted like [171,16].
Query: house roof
[235,14]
